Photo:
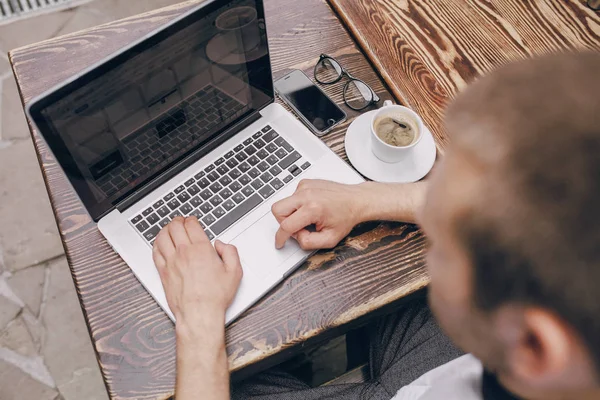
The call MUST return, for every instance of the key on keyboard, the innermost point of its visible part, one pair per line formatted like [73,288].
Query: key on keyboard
[152,219]
[244,167]
[234,215]
[289,160]
[245,179]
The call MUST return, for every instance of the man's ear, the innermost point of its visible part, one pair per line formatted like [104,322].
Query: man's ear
[542,351]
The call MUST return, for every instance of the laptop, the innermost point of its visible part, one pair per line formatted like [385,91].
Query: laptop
[184,122]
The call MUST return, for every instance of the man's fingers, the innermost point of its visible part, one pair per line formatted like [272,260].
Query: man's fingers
[316,240]
[284,208]
[177,231]
[164,245]
[195,231]
[229,255]
[313,184]
[293,224]
[227,252]
[158,258]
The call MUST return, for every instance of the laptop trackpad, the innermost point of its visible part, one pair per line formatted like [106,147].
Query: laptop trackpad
[256,246]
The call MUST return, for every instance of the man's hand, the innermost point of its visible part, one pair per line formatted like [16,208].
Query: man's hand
[200,282]
[196,277]
[333,208]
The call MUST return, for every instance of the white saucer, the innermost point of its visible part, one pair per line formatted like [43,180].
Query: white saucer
[214,51]
[411,169]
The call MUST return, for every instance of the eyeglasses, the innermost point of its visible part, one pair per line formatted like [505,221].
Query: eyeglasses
[357,94]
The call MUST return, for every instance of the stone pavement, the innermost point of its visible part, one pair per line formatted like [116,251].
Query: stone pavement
[45,350]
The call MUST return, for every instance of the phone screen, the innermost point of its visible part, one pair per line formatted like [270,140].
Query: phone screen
[318,109]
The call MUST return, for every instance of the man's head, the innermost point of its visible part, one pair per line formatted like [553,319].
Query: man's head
[513,215]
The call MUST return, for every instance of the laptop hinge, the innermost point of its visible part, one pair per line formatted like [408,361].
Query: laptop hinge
[186,162]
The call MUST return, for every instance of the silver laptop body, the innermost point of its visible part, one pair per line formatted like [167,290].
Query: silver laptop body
[183,122]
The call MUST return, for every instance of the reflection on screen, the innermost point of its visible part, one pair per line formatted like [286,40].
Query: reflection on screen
[145,114]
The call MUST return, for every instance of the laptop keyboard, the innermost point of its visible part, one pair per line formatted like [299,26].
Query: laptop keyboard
[236,183]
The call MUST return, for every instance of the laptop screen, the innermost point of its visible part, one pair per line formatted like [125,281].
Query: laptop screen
[123,123]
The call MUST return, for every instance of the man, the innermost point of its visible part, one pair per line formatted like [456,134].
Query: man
[512,213]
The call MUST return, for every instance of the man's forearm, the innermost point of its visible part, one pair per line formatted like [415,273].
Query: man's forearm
[393,201]
[202,371]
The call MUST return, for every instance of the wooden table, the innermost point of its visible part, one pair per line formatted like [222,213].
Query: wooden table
[378,264]
[428,50]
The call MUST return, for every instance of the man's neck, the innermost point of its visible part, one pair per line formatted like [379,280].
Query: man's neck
[493,390]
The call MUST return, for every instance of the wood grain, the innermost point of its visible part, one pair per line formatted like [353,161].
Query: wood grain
[378,264]
[427,51]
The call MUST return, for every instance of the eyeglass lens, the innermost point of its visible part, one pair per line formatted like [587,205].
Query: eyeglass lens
[357,94]
[328,70]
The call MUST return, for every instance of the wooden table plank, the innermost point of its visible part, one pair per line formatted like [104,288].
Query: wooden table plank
[428,50]
[377,265]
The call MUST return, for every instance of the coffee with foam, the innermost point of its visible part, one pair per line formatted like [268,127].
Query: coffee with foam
[396,129]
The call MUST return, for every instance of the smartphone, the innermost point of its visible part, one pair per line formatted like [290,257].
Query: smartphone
[309,102]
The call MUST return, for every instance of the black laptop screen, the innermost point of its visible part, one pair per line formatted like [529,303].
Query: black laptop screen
[125,122]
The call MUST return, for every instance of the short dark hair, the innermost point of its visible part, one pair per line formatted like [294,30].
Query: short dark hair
[534,233]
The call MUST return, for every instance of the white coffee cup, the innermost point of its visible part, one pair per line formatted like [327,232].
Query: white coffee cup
[240,30]
[386,152]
